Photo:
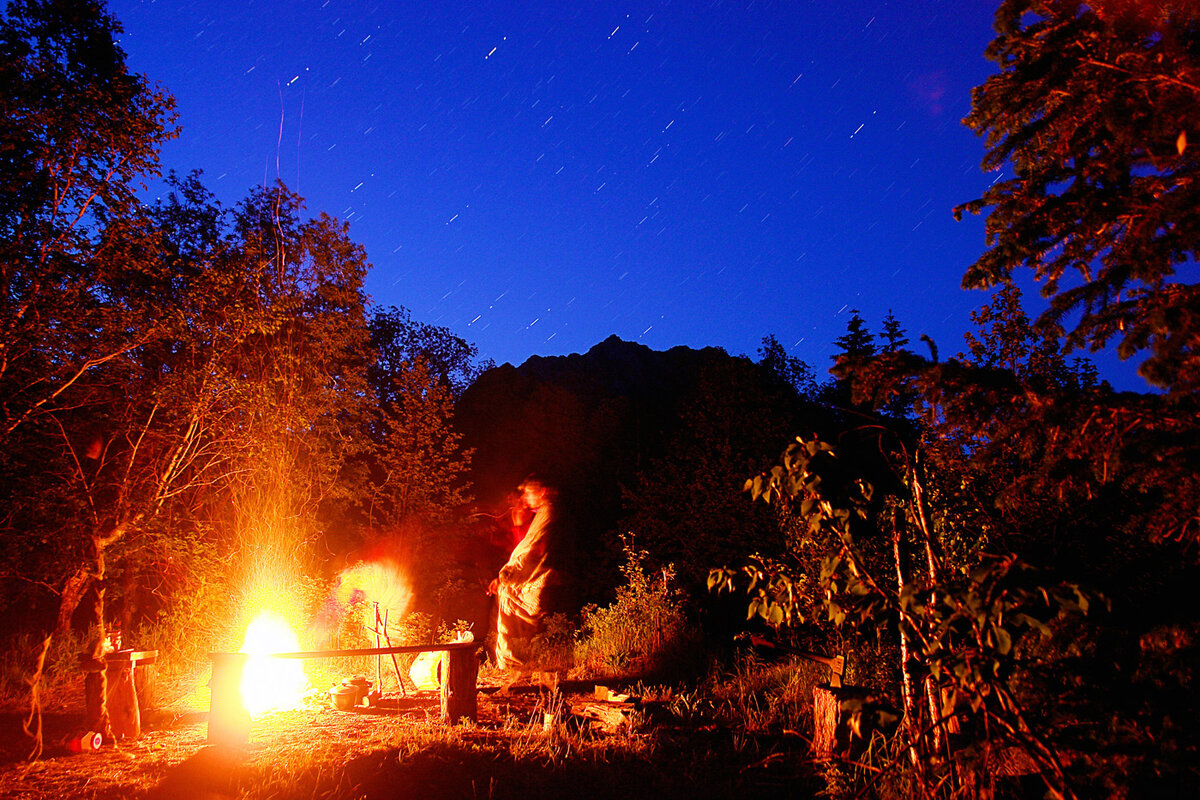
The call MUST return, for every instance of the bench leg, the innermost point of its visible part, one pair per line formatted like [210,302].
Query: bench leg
[458,686]
[123,712]
[228,719]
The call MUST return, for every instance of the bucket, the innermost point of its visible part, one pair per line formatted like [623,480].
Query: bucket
[343,697]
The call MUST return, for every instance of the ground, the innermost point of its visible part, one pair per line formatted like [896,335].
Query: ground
[400,749]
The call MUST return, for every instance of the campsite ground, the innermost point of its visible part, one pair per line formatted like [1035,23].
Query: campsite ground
[400,749]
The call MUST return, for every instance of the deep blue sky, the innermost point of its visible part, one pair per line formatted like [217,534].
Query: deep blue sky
[538,176]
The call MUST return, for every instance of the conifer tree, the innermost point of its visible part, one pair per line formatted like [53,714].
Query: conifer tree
[1092,117]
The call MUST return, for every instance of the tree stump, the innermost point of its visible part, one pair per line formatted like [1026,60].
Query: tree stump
[831,730]
[826,716]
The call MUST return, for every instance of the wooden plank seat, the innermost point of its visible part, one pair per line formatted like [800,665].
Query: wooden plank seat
[229,722]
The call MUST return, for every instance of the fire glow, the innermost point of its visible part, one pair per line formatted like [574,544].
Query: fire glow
[271,684]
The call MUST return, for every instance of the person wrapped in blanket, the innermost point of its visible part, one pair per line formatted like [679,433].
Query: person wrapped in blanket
[529,586]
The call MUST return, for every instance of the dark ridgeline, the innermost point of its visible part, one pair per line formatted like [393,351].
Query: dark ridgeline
[622,431]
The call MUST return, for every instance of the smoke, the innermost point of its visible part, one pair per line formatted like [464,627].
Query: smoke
[355,593]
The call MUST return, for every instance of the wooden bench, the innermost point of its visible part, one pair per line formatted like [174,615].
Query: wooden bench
[229,722]
[121,670]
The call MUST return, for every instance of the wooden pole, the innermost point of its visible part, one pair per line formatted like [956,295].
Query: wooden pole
[395,664]
[370,651]
[378,658]
[458,685]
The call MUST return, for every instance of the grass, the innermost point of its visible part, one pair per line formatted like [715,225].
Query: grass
[510,752]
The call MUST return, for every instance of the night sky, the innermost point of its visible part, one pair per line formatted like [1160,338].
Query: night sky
[539,176]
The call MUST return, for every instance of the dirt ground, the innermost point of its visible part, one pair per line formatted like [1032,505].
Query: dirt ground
[173,757]
[398,749]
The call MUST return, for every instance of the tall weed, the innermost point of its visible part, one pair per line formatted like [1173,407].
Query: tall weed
[645,631]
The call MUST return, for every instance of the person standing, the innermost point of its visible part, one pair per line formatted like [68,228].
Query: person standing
[529,581]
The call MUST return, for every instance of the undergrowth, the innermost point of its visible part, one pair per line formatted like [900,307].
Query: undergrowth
[645,631]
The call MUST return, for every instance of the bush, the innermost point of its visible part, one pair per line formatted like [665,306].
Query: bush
[644,632]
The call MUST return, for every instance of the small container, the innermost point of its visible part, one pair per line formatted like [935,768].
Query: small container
[344,697]
[88,743]
[363,688]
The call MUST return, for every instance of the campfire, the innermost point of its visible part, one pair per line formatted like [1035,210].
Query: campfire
[271,684]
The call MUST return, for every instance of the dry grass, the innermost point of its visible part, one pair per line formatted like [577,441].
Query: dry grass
[400,750]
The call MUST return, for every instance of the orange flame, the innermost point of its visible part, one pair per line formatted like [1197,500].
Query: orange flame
[271,684]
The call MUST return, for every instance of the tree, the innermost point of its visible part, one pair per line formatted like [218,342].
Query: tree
[1007,340]
[854,346]
[417,466]
[77,134]
[1092,110]
[730,415]
[857,341]
[894,336]
[399,340]
[791,370]
[960,633]
[226,416]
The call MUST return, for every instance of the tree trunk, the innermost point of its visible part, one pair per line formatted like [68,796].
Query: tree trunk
[906,683]
[95,686]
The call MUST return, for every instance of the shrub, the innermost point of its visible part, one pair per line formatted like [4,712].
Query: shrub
[644,632]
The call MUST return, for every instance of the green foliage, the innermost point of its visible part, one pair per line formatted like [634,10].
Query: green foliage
[961,633]
[644,631]
[1090,111]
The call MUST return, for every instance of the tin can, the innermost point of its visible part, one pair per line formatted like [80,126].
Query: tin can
[87,743]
